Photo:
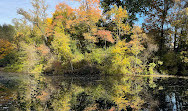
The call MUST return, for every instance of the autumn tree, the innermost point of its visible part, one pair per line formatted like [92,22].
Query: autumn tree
[136,47]
[7,33]
[119,16]
[65,16]
[106,36]
[80,23]
[126,57]
[61,47]
[37,17]
[108,41]
[26,59]
[87,15]
[5,48]
[88,12]
[29,37]
[64,47]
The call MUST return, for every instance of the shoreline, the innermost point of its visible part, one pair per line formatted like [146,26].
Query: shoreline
[154,75]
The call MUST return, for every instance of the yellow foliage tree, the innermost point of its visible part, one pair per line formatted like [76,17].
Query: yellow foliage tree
[124,56]
[5,48]
[136,47]
[61,45]
[119,15]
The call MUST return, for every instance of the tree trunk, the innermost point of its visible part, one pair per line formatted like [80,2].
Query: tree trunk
[175,39]
[180,41]
[161,46]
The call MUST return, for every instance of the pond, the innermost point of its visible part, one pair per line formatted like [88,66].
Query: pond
[35,92]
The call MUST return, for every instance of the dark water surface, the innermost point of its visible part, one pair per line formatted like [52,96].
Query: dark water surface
[24,92]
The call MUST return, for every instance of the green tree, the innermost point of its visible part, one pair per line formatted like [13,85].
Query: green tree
[179,24]
[157,20]
[26,59]
[133,7]
[7,32]
[37,17]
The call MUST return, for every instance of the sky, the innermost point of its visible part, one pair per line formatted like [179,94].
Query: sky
[8,8]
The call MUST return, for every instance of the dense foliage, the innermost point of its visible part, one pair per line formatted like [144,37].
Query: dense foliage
[89,40]
[97,52]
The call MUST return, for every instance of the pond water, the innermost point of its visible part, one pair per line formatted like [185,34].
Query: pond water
[92,93]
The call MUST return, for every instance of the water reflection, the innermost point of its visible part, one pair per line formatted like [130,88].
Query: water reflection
[174,96]
[94,93]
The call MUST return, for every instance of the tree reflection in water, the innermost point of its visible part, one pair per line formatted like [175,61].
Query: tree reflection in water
[101,93]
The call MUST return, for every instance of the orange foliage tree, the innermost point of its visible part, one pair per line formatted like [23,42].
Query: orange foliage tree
[64,15]
[105,35]
[88,14]
[5,48]
[88,11]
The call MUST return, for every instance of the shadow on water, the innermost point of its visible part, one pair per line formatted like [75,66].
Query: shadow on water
[92,93]
[8,87]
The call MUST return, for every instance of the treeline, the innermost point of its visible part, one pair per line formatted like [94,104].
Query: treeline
[98,37]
